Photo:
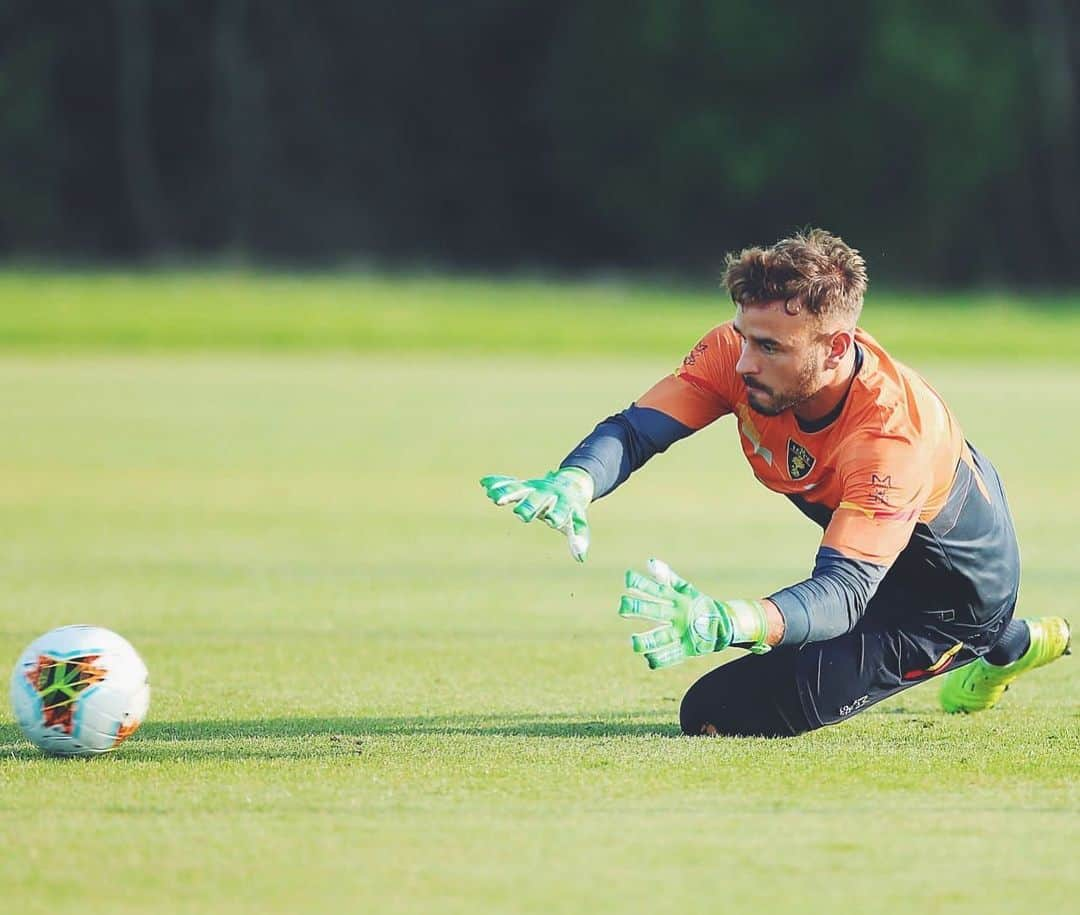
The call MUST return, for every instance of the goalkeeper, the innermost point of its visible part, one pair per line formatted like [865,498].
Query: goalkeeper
[918,569]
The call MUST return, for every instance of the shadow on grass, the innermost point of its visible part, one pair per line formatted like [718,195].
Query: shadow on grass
[487,726]
[235,739]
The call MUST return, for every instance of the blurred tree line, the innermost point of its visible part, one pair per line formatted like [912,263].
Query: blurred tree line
[941,138]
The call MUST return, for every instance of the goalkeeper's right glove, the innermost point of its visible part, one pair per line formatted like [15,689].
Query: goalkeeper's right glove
[558,499]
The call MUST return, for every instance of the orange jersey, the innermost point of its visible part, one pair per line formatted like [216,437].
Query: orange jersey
[884,464]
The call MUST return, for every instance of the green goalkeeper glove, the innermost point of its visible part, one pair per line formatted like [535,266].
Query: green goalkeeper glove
[558,499]
[692,623]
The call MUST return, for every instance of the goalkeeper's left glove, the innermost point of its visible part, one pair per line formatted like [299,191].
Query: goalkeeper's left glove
[692,623]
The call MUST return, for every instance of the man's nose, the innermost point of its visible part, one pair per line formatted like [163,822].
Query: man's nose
[745,365]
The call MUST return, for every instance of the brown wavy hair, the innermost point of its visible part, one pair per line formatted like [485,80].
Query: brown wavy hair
[812,269]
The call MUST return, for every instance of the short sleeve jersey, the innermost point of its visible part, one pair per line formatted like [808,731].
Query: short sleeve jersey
[885,463]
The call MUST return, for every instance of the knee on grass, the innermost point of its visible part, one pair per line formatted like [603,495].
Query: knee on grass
[696,721]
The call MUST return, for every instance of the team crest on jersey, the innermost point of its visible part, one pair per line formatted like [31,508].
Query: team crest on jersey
[799,461]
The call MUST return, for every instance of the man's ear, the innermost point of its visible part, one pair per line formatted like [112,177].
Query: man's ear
[839,345]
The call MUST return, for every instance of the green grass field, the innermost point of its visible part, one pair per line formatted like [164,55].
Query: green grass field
[374,692]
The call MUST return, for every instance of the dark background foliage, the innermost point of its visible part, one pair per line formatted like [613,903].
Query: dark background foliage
[942,138]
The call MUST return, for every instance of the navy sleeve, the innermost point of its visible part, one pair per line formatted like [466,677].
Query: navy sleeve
[831,601]
[622,443]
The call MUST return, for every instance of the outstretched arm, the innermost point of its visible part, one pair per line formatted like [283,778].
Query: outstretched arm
[602,461]
[622,444]
[828,603]
[692,623]
[675,407]
[884,490]
[885,486]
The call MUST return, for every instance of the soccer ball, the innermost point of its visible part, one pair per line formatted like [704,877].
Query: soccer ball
[79,691]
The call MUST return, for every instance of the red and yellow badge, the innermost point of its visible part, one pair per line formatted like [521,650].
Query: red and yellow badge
[799,461]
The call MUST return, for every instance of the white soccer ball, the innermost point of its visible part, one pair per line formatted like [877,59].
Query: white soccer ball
[79,691]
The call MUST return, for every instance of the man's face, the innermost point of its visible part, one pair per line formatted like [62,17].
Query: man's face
[782,359]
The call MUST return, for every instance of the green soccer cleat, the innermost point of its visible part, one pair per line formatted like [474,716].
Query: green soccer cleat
[980,685]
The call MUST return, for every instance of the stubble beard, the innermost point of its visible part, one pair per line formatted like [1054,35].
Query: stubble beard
[807,385]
